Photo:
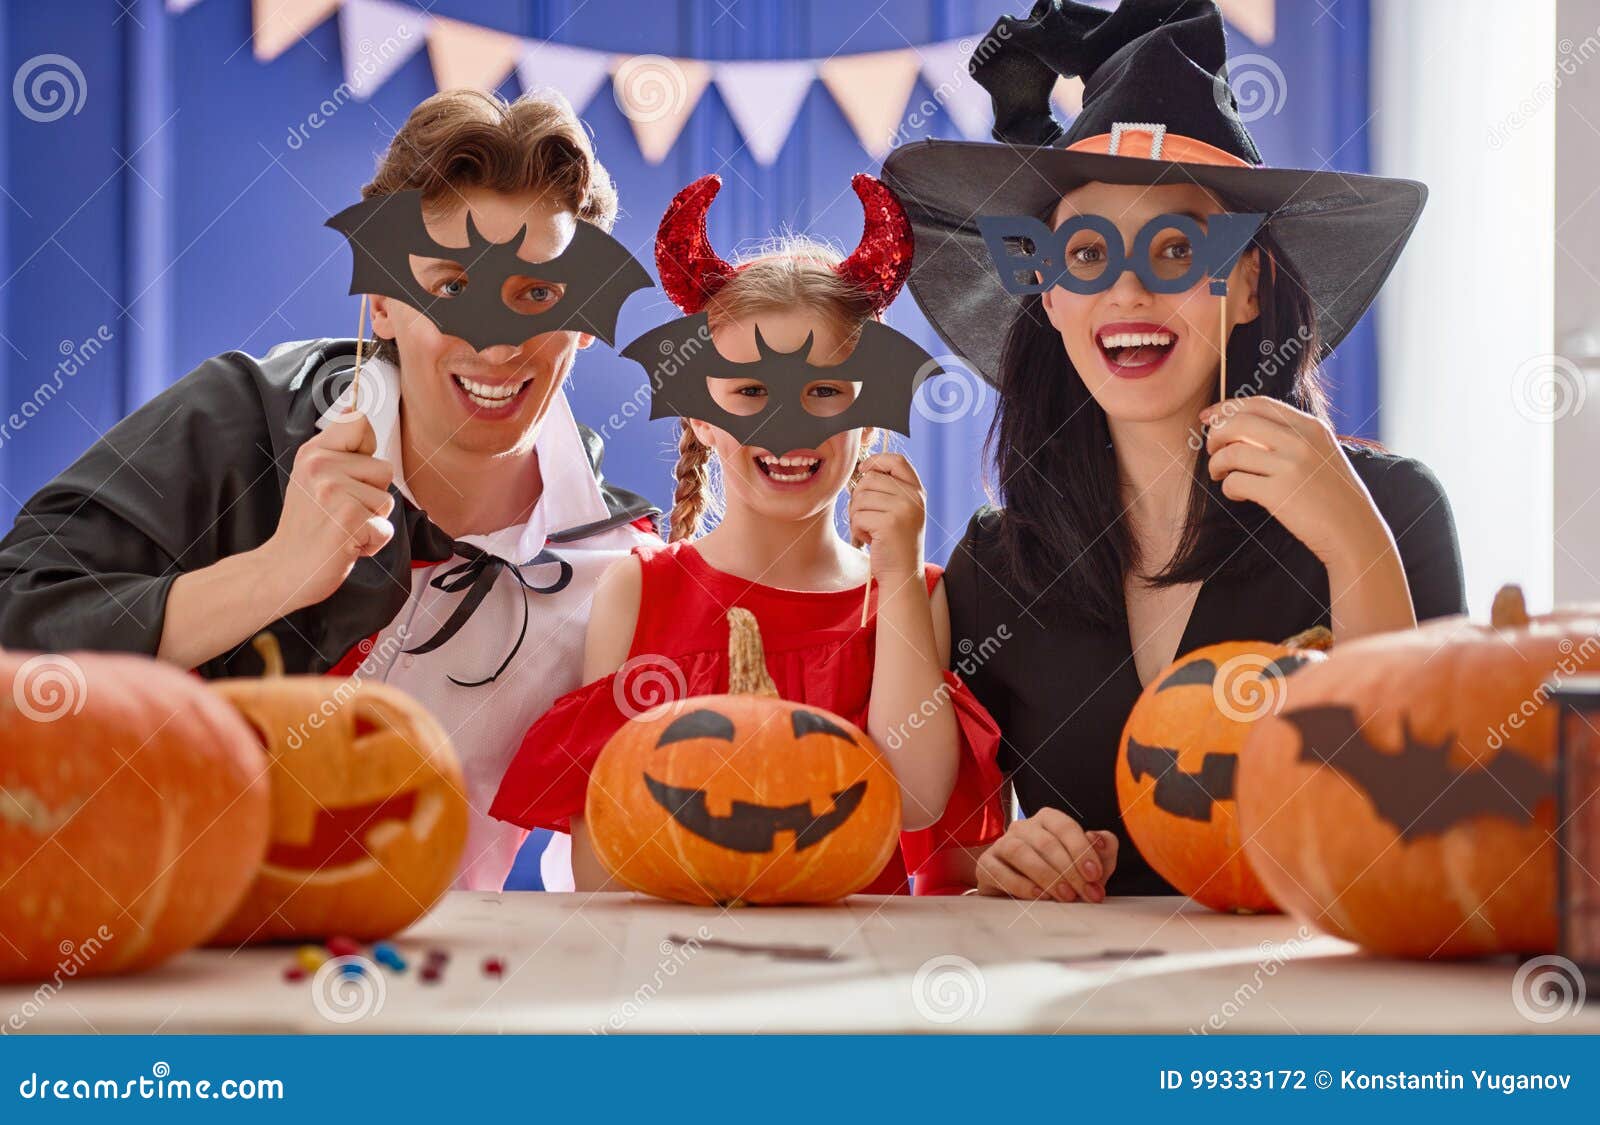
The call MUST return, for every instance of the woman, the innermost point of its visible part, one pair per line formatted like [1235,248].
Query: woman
[1143,517]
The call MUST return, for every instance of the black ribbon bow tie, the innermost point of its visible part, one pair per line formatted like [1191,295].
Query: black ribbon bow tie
[477,576]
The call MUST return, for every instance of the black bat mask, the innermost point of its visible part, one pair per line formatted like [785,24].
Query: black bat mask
[680,357]
[596,271]
[1417,790]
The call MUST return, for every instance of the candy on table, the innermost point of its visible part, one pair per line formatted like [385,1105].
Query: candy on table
[353,969]
[493,967]
[430,974]
[385,954]
[310,957]
[294,973]
[343,947]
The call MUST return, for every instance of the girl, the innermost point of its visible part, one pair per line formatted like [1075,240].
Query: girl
[1142,517]
[659,616]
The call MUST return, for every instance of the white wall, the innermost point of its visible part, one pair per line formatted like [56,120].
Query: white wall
[1463,96]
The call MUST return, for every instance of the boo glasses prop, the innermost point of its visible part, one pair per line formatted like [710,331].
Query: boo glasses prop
[1032,258]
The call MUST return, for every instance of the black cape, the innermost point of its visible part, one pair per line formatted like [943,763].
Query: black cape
[195,475]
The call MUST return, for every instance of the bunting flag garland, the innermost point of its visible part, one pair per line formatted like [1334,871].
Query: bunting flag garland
[658,94]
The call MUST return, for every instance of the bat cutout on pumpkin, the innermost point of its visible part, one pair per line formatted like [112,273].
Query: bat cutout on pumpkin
[1415,788]
[1189,795]
[887,366]
[596,271]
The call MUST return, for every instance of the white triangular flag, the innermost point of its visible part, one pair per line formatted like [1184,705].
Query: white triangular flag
[763,98]
[466,55]
[377,38]
[573,71]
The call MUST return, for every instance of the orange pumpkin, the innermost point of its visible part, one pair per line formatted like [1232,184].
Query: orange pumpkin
[369,813]
[743,798]
[133,814]
[1179,758]
[1403,797]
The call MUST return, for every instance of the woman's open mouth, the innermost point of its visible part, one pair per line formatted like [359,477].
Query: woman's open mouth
[490,398]
[790,469]
[1133,351]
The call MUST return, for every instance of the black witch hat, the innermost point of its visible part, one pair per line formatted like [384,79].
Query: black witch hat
[1157,109]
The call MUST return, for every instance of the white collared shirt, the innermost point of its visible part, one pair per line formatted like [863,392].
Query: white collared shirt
[486,724]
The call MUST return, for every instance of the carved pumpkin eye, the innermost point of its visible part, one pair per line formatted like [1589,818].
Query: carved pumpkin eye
[1200,672]
[810,722]
[703,723]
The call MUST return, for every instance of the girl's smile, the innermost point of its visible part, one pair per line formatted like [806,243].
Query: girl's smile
[1133,349]
[793,472]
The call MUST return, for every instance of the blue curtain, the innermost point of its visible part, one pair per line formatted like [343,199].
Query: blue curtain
[171,217]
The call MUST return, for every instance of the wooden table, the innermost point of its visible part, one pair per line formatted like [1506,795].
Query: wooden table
[622,963]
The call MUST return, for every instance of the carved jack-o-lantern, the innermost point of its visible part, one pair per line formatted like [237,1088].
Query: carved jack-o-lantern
[369,814]
[1404,795]
[743,798]
[1180,755]
[133,813]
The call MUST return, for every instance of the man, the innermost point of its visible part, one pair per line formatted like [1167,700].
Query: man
[440,527]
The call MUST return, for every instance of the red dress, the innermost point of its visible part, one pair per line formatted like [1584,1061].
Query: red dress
[817,652]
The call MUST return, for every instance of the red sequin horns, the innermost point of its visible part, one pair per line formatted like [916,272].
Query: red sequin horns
[691,271]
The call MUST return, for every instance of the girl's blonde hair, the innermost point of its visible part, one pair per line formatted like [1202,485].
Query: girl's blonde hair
[793,273]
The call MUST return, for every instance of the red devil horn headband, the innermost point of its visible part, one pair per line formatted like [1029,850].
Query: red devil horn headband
[691,271]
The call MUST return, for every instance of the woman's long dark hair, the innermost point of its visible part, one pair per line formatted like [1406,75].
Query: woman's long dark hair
[1062,537]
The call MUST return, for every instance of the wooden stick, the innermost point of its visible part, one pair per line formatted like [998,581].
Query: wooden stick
[866,600]
[361,332]
[1222,319]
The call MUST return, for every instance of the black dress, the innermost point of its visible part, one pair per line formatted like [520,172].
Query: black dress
[1061,691]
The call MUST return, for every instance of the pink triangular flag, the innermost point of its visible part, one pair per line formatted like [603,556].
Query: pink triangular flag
[764,98]
[467,56]
[657,95]
[872,90]
[577,73]
[280,24]
[944,69]
[1258,19]
[377,38]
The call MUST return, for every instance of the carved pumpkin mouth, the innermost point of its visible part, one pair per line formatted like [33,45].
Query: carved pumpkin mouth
[752,828]
[339,834]
[1189,795]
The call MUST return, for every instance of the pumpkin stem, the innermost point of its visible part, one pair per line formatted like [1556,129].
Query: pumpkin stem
[1510,608]
[1317,637]
[266,646]
[747,662]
